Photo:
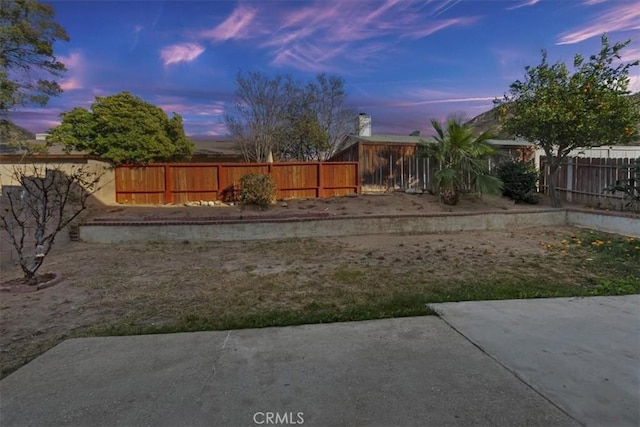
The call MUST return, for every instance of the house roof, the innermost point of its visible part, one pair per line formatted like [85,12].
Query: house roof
[210,147]
[393,139]
[510,142]
[350,140]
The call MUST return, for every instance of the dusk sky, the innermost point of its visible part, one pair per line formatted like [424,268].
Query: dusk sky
[403,62]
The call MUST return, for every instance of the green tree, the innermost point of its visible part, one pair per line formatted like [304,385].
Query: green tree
[27,35]
[123,128]
[301,135]
[561,111]
[462,158]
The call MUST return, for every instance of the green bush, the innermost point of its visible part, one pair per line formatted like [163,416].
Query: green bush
[519,180]
[257,189]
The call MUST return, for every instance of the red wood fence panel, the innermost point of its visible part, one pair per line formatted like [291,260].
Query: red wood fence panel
[166,183]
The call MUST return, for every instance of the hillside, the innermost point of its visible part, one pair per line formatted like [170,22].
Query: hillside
[12,133]
[489,120]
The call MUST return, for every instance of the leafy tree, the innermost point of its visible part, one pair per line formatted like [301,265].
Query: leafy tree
[463,160]
[123,128]
[288,119]
[48,199]
[301,135]
[27,35]
[561,111]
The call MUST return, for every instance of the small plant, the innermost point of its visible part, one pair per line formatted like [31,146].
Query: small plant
[519,180]
[257,189]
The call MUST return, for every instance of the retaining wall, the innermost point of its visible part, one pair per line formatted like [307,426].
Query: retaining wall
[627,225]
[113,232]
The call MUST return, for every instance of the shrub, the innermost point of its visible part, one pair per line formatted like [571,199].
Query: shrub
[257,189]
[519,180]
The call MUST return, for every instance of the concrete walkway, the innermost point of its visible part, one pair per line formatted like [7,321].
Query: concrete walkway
[581,353]
[575,361]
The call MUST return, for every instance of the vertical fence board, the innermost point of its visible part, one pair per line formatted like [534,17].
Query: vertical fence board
[591,176]
[183,182]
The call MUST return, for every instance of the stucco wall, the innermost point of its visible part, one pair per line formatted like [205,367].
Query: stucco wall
[106,193]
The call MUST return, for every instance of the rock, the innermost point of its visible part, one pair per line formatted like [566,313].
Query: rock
[284,205]
[352,195]
[212,203]
[413,191]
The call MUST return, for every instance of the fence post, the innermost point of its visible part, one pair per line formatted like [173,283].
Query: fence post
[320,175]
[220,188]
[569,197]
[167,185]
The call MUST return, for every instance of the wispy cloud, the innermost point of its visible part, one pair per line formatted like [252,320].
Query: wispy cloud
[236,26]
[447,101]
[524,4]
[333,34]
[183,52]
[619,17]
[630,54]
[183,108]
[634,84]
[434,27]
[75,72]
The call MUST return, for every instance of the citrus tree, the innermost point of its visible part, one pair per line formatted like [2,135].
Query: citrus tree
[561,110]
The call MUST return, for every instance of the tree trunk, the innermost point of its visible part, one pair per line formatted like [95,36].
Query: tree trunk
[449,196]
[553,193]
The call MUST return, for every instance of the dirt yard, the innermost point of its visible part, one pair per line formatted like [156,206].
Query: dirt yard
[397,203]
[138,287]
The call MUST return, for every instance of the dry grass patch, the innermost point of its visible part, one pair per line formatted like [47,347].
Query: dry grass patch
[166,287]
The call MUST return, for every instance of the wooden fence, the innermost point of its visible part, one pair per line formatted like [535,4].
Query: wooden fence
[166,183]
[582,180]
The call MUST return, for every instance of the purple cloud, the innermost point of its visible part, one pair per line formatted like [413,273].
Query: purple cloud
[524,4]
[619,17]
[75,69]
[236,26]
[184,52]
[332,34]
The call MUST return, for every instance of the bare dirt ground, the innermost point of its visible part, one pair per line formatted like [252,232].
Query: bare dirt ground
[147,284]
[397,203]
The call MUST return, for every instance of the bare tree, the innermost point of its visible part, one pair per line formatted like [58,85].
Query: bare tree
[334,118]
[259,113]
[288,119]
[47,199]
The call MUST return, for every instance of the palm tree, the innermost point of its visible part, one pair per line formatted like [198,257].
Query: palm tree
[463,159]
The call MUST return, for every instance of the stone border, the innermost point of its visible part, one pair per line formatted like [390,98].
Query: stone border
[30,288]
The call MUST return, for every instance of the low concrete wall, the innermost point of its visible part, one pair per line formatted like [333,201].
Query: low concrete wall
[300,228]
[627,225]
